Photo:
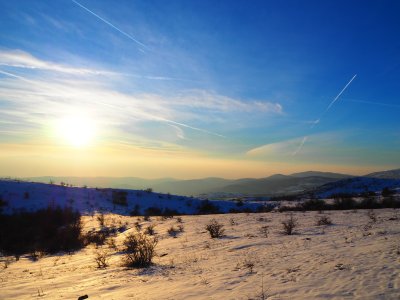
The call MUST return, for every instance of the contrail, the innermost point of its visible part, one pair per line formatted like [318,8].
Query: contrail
[14,76]
[300,146]
[316,122]
[341,92]
[110,24]
[188,126]
[333,102]
[161,119]
[371,102]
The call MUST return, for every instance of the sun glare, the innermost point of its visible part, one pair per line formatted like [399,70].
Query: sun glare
[76,131]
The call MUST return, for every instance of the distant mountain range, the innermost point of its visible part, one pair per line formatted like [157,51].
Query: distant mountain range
[274,185]
[322,184]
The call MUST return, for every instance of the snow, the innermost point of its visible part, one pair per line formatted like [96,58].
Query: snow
[29,196]
[352,259]
[356,185]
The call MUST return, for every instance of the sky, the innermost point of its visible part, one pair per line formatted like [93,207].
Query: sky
[190,89]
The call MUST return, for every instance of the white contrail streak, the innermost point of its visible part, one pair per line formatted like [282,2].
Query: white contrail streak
[110,24]
[188,126]
[341,92]
[14,76]
[149,116]
[300,146]
[371,102]
[333,102]
[316,122]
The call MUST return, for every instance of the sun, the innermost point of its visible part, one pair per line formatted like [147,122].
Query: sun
[77,131]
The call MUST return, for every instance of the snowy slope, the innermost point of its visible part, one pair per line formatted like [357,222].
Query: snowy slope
[356,185]
[347,260]
[390,174]
[31,196]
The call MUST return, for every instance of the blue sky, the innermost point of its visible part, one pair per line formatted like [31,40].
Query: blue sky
[198,88]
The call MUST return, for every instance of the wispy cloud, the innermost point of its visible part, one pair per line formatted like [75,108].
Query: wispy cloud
[111,25]
[213,101]
[67,97]
[22,59]
[282,148]
[320,145]
[34,99]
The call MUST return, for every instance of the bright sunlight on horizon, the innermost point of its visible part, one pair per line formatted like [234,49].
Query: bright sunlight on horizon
[77,131]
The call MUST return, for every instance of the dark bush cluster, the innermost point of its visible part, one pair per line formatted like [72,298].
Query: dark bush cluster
[368,201]
[135,211]
[47,231]
[153,211]
[99,237]
[120,197]
[2,204]
[207,207]
[156,211]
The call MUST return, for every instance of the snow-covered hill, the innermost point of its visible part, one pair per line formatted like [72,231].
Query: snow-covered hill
[390,174]
[29,196]
[356,185]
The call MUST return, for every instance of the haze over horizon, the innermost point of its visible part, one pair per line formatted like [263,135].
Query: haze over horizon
[186,89]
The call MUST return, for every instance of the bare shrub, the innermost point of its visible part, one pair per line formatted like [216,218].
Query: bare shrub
[233,222]
[139,250]
[249,264]
[215,229]
[172,231]
[323,220]
[138,226]
[264,230]
[111,243]
[101,258]
[35,255]
[179,220]
[181,228]
[150,229]
[263,294]
[7,261]
[101,219]
[95,237]
[372,216]
[289,225]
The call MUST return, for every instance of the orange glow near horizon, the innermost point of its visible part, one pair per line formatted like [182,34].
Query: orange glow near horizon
[131,161]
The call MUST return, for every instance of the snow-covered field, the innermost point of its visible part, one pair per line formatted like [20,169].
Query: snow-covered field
[31,196]
[355,258]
